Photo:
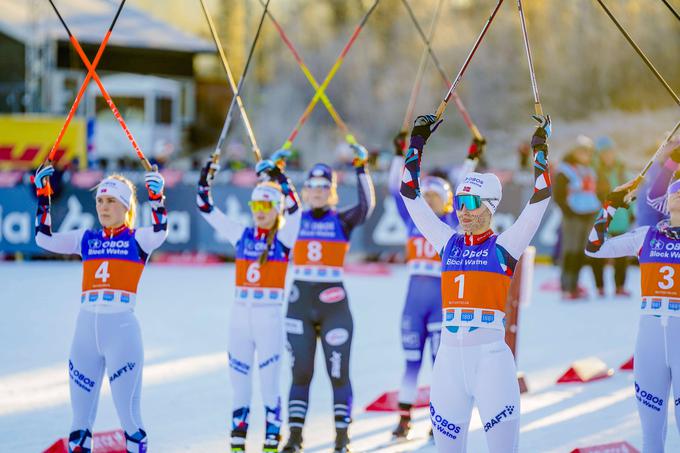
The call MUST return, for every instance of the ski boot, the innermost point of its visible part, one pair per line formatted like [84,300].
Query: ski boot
[342,441]
[403,429]
[238,441]
[294,444]
[271,443]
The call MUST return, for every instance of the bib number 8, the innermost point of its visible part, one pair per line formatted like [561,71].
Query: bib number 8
[314,251]
[102,272]
[667,273]
[253,273]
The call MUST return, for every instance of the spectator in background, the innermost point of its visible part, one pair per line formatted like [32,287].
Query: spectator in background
[574,192]
[611,173]
[525,156]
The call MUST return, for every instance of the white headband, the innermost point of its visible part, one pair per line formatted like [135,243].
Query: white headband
[111,187]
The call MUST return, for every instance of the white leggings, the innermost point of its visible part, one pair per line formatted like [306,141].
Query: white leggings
[111,342]
[256,328]
[465,374]
[657,363]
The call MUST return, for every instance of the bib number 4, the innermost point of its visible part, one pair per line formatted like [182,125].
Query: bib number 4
[102,272]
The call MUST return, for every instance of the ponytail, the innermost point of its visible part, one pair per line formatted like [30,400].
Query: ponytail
[271,234]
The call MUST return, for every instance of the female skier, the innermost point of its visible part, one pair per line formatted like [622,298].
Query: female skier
[421,317]
[256,322]
[657,358]
[107,333]
[318,306]
[473,364]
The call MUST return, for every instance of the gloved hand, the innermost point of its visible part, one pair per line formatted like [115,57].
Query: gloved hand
[155,184]
[42,180]
[279,158]
[360,155]
[207,177]
[617,199]
[476,148]
[399,142]
[423,127]
[540,138]
[267,168]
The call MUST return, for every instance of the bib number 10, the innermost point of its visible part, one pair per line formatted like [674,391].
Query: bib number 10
[102,272]
[423,248]
[667,273]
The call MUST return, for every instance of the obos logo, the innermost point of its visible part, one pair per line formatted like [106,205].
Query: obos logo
[332,295]
[656,244]
[94,243]
[336,337]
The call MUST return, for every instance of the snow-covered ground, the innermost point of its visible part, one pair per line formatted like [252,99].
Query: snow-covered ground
[186,399]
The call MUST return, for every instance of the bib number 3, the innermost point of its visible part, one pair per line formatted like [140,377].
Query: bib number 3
[667,273]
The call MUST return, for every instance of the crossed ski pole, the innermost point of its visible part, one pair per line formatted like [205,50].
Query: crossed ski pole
[90,74]
[334,69]
[305,70]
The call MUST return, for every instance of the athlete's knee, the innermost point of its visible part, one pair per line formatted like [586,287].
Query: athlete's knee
[270,361]
[239,365]
[82,379]
[648,400]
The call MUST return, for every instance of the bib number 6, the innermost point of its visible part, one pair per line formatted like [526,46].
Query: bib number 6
[253,273]
[667,273]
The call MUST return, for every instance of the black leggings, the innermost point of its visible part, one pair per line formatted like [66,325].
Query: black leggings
[319,310]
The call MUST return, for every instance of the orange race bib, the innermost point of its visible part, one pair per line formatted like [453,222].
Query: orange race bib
[660,279]
[474,289]
[320,253]
[113,274]
[270,275]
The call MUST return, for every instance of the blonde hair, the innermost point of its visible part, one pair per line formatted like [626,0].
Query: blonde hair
[131,214]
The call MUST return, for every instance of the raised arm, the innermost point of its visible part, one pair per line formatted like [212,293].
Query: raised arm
[152,237]
[356,215]
[667,165]
[516,238]
[216,218]
[628,244]
[67,243]
[432,228]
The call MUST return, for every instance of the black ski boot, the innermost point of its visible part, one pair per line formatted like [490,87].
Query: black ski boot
[294,444]
[403,429]
[342,441]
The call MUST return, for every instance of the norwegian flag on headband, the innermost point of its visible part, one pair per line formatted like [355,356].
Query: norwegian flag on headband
[466,189]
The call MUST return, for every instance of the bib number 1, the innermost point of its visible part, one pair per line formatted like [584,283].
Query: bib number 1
[461,285]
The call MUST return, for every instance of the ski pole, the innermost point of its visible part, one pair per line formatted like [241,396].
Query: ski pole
[454,85]
[227,122]
[305,70]
[534,85]
[445,78]
[105,94]
[83,86]
[232,83]
[639,52]
[644,171]
[310,107]
[675,13]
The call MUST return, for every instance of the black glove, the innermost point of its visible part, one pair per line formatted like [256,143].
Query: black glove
[617,199]
[423,127]
[208,173]
[540,138]
[399,143]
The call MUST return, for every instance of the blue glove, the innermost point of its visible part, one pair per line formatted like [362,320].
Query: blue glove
[280,157]
[154,183]
[267,167]
[360,155]
[42,180]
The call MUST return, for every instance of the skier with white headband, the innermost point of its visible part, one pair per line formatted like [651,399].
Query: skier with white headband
[656,360]
[256,320]
[108,336]
[474,364]
[422,313]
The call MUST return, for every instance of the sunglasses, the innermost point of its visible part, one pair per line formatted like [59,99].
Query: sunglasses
[471,202]
[317,184]
[261,206]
